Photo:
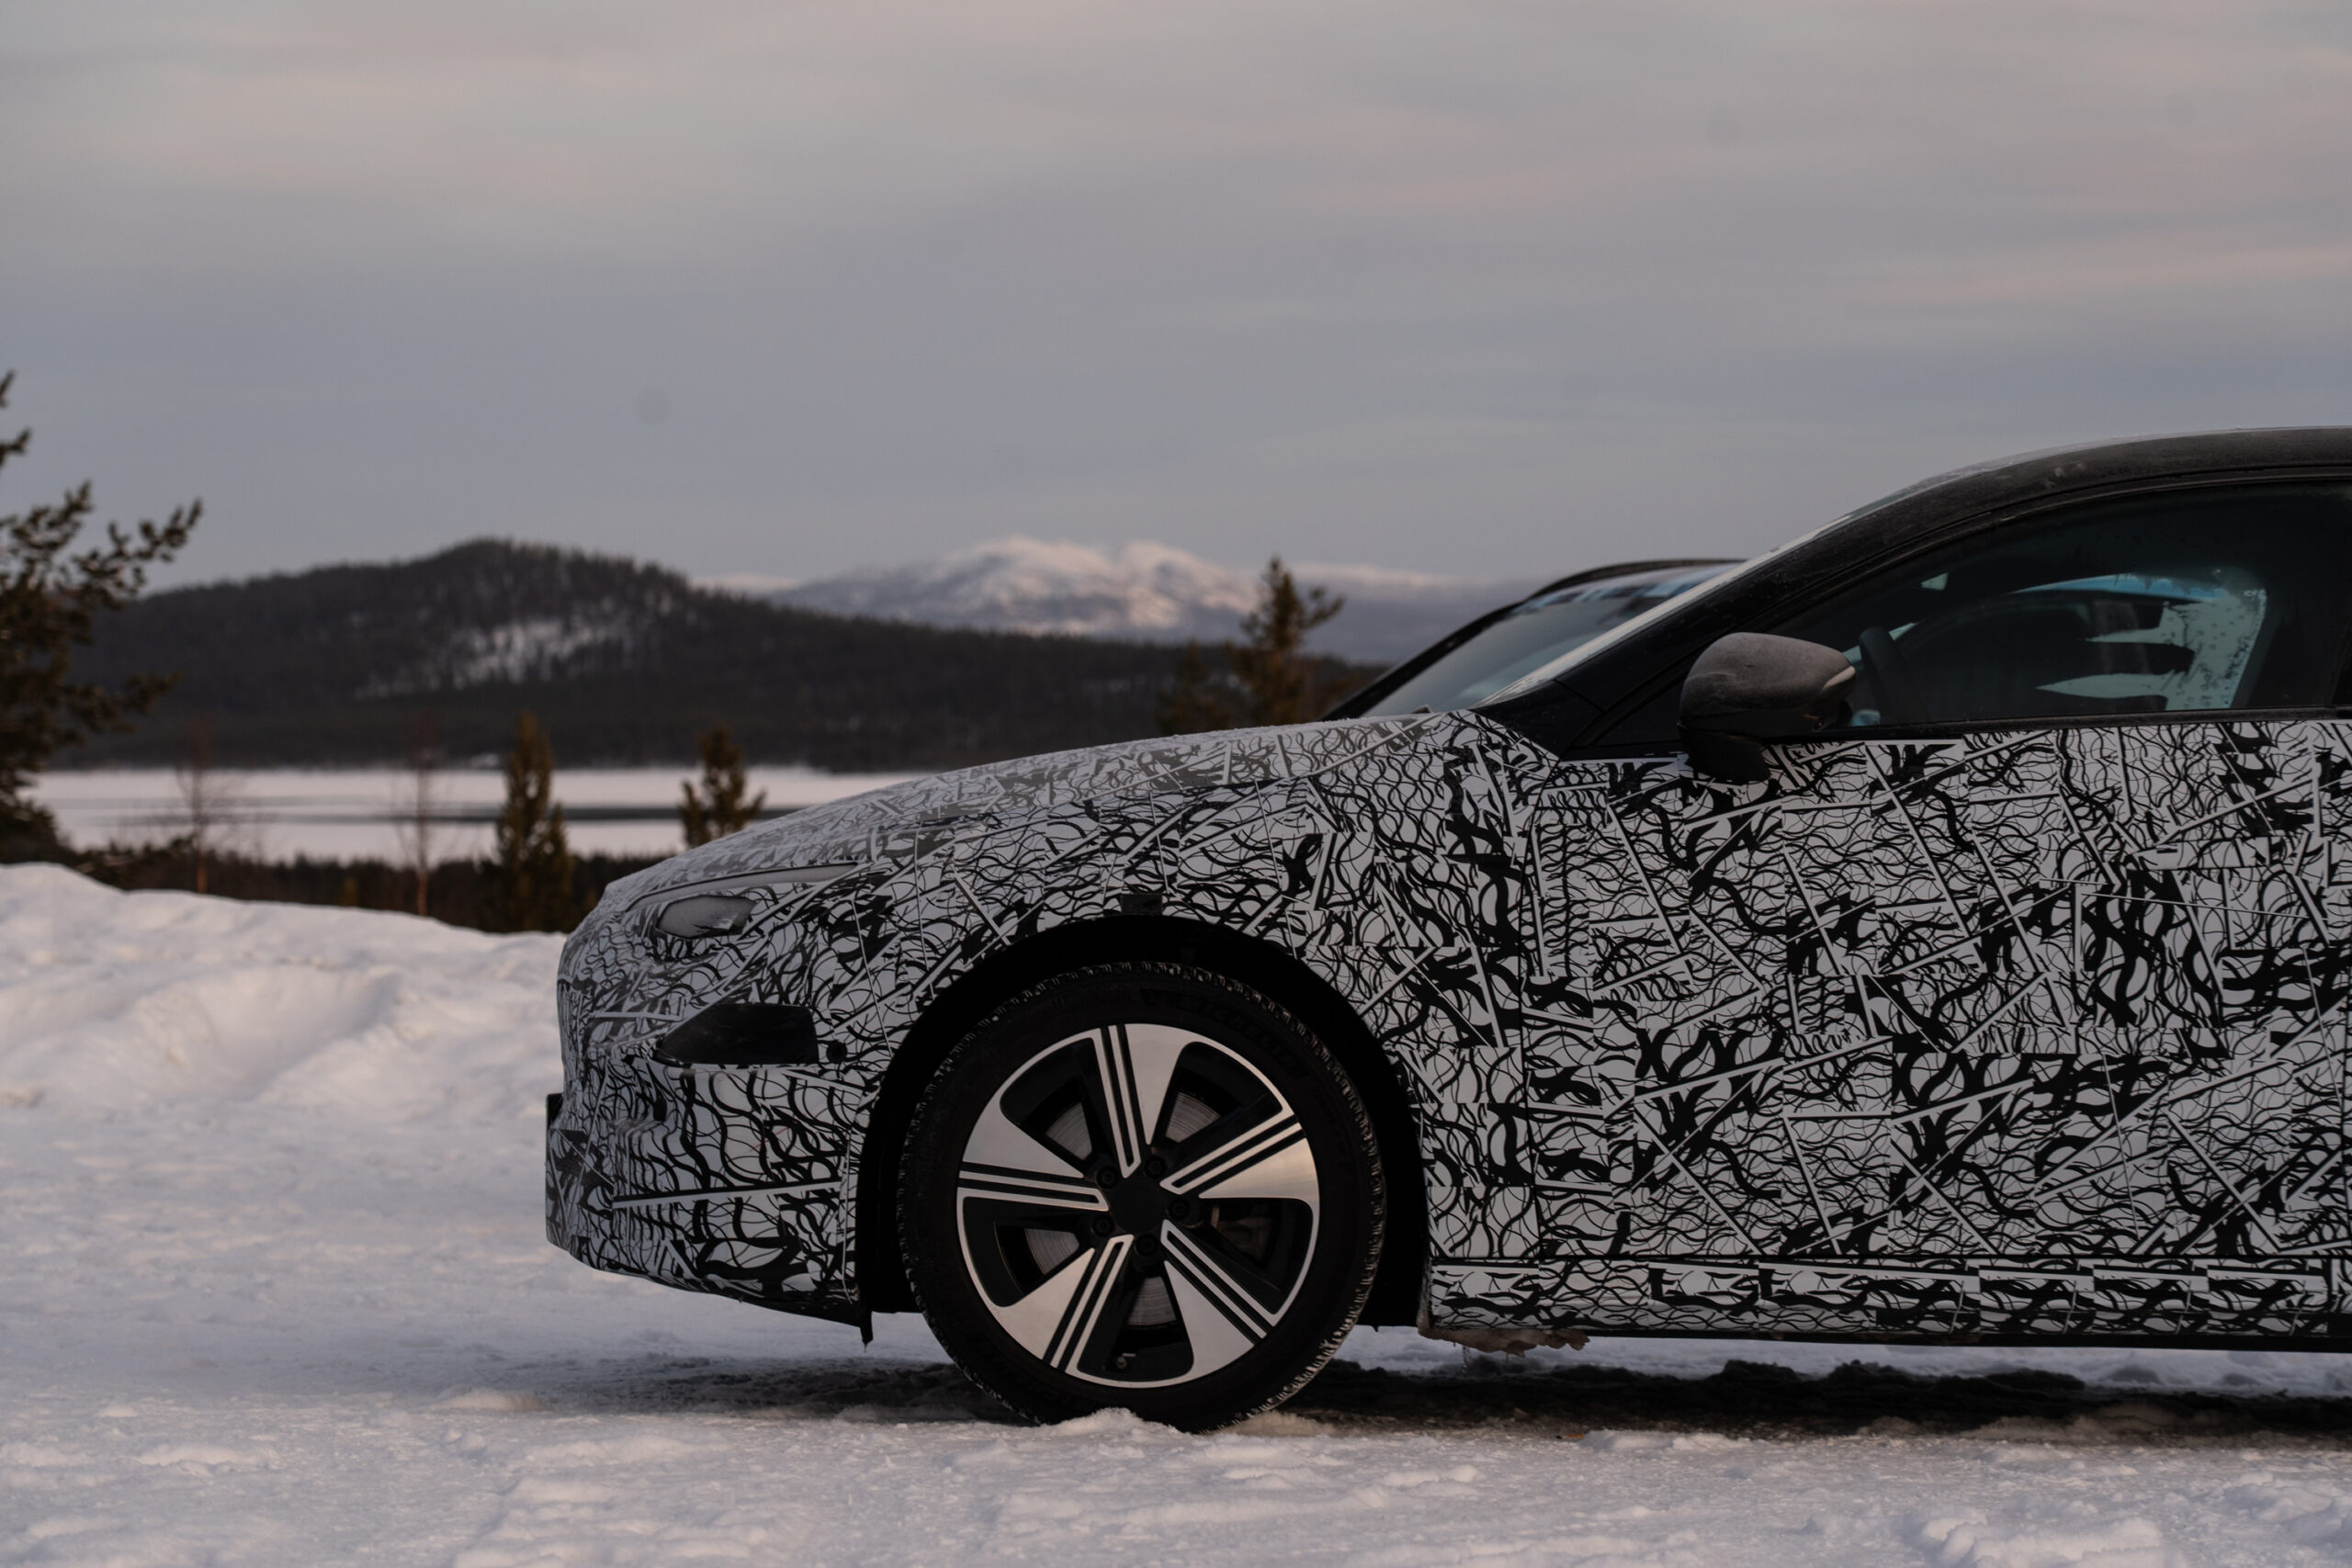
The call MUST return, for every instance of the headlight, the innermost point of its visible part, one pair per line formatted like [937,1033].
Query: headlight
[704,914]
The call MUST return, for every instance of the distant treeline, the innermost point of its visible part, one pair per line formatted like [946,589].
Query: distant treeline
[622,662]
[459,893]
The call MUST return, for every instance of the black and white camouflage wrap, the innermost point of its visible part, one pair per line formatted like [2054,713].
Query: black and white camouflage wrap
[2024,1033]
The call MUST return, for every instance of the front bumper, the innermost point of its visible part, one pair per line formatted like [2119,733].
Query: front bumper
[734,1180]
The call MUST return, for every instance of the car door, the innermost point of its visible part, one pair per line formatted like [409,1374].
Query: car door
[2015,1003]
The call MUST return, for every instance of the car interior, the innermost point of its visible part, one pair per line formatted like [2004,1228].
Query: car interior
[2202,603]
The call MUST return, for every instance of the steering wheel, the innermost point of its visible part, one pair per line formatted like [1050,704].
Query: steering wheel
[1899,701]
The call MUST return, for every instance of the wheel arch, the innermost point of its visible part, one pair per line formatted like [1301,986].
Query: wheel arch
[881,1274]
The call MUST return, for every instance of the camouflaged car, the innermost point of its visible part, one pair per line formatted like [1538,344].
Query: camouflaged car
[1935,929]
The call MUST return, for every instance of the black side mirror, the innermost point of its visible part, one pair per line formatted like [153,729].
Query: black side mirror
[1749,688]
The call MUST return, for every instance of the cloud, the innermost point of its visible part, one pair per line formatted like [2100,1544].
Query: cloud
[1495,286]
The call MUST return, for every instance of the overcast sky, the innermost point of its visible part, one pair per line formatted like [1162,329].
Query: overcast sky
[1479,288]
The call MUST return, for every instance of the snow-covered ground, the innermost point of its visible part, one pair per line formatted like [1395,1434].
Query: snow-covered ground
[350,813]
[273,1291]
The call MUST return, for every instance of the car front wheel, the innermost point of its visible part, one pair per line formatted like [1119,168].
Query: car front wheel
[1143,1186]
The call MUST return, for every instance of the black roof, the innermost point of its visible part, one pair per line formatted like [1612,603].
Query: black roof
[2032,478]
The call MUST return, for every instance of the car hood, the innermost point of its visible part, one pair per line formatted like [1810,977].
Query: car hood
[853,831]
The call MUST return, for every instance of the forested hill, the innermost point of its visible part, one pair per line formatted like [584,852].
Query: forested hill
[623,662]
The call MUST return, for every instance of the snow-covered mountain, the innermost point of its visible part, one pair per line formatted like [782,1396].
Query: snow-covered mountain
[623,662]
[1141,590]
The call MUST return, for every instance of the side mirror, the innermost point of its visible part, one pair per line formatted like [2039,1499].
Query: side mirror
[1749,688]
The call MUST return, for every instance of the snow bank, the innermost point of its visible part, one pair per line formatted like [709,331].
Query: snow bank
[117,1002]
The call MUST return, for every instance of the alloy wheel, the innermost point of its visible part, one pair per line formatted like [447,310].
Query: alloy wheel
[1138,1205]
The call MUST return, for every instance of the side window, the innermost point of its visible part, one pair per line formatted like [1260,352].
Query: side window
[2190,602]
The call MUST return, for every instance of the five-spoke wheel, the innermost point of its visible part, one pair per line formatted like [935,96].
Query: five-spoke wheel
[1141,1186]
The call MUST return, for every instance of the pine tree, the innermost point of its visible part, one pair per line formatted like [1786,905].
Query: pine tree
[1268,677]
[1283,684]
[720,809]
[49,602]
[530,880]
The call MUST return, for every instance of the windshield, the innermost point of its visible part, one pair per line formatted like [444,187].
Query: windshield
[1533,633]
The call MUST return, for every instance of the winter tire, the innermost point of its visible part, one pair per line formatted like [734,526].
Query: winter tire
[1141,1186]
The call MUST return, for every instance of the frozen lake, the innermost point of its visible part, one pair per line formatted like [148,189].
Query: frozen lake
[348,814]
[277,1294]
